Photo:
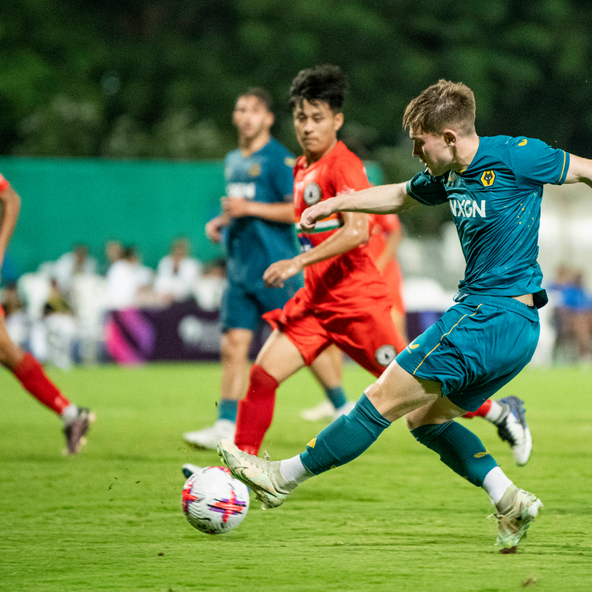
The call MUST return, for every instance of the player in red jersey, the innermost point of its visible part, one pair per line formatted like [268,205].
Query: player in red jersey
[344,300]
[23,365]
[385,237]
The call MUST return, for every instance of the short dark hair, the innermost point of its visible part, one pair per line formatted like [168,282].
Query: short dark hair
[261,93]
[326,83]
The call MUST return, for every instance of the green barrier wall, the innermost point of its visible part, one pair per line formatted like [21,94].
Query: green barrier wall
[142,203]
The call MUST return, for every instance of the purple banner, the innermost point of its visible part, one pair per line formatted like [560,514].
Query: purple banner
[181,332]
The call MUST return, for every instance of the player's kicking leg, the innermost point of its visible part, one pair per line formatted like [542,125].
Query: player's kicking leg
[395,394]
[508,415]
[30,373]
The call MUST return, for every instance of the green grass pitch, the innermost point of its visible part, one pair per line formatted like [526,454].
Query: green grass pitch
[394,519]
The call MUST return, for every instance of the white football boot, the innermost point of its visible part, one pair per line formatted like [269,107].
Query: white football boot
[208,438]
[512,428]
[515,511]
[343,410]
[261,475]
[323,410]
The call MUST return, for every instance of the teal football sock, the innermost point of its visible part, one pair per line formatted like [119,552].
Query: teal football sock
[228,409]
[345,439]
[337,396]
[458,448]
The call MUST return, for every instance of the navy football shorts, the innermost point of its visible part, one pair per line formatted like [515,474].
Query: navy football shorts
[242,307]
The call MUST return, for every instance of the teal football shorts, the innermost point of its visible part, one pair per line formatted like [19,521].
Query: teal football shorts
[475,348]
[243,307]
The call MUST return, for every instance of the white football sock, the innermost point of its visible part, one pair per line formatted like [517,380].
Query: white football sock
[293,471]
[495,484]
[69,414]
[495,411]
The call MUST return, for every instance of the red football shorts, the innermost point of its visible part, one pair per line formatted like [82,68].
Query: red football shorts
[367,335]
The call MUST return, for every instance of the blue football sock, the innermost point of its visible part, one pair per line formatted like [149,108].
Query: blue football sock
[227,409]
[458,448]
[336,395]
[345,439]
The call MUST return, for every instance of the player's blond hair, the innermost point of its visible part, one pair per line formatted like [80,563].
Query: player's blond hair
[444,104]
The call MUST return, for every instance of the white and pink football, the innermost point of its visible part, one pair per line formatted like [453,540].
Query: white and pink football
[213,501]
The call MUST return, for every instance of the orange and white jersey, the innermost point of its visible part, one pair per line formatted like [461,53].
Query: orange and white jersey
[351,276]
[382,226]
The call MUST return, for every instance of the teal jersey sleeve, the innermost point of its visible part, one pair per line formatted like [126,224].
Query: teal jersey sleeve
[427,189]
[536,163]
[283,177]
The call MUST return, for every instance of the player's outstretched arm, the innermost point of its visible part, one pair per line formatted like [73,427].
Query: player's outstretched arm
[11,205]
[354,232]
[237,207]
[384,199]
[580,170]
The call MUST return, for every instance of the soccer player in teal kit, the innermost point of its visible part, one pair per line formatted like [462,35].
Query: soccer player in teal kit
[494,187]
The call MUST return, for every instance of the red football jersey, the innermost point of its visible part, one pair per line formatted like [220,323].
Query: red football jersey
[382,227]
[352,276]
[4,184]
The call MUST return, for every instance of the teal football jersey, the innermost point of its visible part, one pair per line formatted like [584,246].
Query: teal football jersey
[496,207]
[253,244]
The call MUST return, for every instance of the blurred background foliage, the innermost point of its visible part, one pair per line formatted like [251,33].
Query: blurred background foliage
[158,78]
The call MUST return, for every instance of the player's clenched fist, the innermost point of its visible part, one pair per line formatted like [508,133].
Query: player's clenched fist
[279,271]
[310,216]
[214,228]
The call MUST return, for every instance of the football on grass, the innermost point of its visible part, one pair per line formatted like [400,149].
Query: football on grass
[213,501]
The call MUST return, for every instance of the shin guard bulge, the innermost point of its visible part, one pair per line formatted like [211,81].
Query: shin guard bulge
[255,411]
[345,439]
[458,448]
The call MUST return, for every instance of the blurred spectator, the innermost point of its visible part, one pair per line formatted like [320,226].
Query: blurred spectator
[177,274]
[129,282]
[573,313]
[17,323]
[53,336]
[210,288]
[71,264]
[113,253]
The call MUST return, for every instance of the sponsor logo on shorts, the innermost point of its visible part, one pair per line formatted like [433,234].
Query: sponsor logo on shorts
[385,354]
[312,443]
[523,142]
[312,194]
[480,454]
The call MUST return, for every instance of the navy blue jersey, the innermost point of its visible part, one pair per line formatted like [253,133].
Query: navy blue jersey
[253,244]
[496,206]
